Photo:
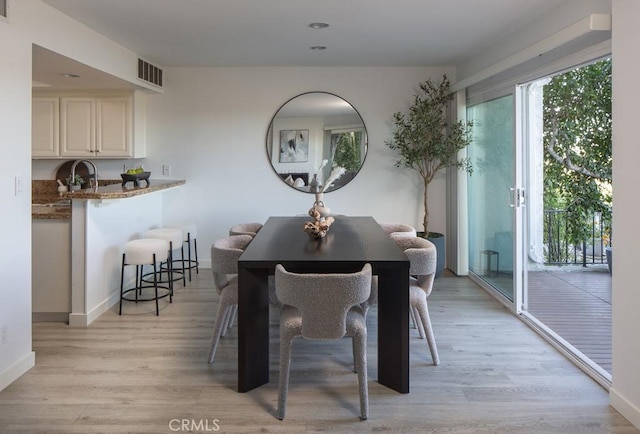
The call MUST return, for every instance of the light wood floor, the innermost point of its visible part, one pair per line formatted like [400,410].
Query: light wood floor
[138,372]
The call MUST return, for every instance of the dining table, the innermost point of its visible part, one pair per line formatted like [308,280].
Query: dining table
[351,242]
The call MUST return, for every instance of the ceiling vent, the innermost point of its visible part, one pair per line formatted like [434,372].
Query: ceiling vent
[4,10]
[148,72]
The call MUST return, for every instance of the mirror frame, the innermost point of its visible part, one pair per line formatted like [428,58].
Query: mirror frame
[306,174]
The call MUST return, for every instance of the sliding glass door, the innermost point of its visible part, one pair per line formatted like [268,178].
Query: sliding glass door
[492,199]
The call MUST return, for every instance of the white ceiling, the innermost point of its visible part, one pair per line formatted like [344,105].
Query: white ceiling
[276,32]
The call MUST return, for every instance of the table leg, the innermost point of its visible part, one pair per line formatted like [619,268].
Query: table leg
[393,328]
[253,329]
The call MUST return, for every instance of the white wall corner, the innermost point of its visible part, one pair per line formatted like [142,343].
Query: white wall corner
[15,371]
[624,407]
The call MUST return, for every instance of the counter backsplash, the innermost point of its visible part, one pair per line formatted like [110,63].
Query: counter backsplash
[47,186]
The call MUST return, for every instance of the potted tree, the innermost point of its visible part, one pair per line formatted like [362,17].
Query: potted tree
[427,141]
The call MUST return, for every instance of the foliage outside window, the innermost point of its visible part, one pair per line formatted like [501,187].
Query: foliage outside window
[347,150]
[577,141]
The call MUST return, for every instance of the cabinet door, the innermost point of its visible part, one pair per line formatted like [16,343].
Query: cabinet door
[113,127]
[45,133]
[77,123]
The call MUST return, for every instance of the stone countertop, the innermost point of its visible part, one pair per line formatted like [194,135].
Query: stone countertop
[118,191]
[54,206]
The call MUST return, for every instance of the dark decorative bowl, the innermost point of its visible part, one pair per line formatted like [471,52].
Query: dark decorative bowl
[135,178]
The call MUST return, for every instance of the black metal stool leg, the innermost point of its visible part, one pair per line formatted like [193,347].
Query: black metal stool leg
[188,255]
[155,283]
[195,248]
[121,284]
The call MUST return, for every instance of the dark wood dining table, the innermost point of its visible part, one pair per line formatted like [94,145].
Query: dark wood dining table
[350,243]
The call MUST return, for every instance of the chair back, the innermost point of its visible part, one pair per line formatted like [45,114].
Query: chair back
[422,259]
[398,230]
[323,300]
[225,253]
[245,229]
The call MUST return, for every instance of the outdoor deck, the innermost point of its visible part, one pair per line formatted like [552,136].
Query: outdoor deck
[575,303]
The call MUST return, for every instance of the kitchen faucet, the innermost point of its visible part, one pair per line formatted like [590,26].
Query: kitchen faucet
[95,172]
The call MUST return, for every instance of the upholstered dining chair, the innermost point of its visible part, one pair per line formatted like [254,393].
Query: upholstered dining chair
[398,230]
[422,259]
[225,253]
[323,306]
[245,229]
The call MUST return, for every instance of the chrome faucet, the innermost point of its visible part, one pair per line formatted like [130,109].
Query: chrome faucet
[95,172]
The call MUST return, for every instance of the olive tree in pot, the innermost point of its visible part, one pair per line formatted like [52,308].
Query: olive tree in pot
[427,141]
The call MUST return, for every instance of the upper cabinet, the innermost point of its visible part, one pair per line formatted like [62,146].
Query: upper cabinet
[45,127]
[88,126]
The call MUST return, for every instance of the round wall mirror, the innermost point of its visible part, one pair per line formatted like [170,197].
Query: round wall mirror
[313,138]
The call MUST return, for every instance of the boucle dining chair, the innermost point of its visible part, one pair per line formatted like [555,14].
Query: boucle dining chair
[422,259]
[398,230]
[245,229]
[225,253]
[322,307]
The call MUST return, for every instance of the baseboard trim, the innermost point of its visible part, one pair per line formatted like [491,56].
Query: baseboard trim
[15,371]
[83,320]
[624,407]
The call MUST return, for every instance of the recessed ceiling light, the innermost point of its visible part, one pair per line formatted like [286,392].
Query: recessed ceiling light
[69,75]
[318,25]
[318,47]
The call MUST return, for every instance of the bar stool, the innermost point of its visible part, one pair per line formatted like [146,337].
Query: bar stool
[189,234]
[174,237]
[140,253]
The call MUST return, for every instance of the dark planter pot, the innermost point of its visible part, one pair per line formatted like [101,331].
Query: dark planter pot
[439,241]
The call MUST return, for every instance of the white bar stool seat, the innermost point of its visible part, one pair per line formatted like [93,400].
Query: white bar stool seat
[140,253]
[174,237]
[189,236]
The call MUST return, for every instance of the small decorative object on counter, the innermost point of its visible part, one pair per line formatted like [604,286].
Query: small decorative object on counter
[135,176]
[61,187]
[75,183]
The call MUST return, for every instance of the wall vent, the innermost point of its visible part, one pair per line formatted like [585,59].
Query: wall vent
[148,72]
[4,10]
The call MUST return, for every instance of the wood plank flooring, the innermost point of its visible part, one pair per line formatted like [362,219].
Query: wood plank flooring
[576,304]
[138,373]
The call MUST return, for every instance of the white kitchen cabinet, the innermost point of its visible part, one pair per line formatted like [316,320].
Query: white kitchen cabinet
[96,127]
[113,127]
[51,269]
[45,124]
[77,127]
[89,126]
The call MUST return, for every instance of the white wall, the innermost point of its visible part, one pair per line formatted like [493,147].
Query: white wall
[30,21]
[211,123]
[15,143]
[625,393]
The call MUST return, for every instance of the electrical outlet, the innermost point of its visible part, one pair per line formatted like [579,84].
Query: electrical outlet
[3,335]
[166,170]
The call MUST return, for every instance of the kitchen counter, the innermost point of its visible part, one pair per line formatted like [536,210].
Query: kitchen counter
[98,225]
[118,191]
[54,206]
